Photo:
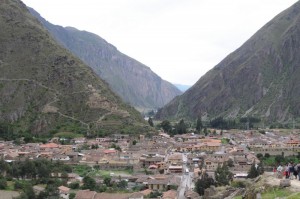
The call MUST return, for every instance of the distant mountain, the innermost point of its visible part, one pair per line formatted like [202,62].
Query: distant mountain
[182,87]
[132,80]
[44,88]
[259,79]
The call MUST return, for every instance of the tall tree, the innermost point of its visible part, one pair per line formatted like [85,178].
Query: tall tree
[150,121]
[203,183]
[89,183]
[181,127]
[253,172]
[166,126]
[199,124]
[222,175]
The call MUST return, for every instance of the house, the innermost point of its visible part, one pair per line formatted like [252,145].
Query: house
[49,146]
[80,140]
[64,192]
[104,195]
[120,137]
[158,184]
[175,169]
[146,162]
[146,192]
[176,159]
[171,194]
[85,194]
[61,158]
[212,163]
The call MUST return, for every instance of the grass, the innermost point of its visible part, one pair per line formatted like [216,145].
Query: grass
[82,170]
[275,193]
[104,173]
[224,140]
[238,197]
[294,196]
[10,186]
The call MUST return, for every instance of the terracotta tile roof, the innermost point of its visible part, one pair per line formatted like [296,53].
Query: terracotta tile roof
[85,194]
[63,189]
[112,195]
[171,194]
[49,145]
[136,195]
[146,192]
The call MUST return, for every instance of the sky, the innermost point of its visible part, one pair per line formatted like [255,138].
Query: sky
[180,40]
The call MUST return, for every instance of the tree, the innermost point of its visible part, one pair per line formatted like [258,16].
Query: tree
[134,142]
[253,172]
[122,184]
[166,126]
[155,194]
[267,155]
[261,168]
[230,163]
[28,192]
[74,185]
[259,155]
[205,131]
[150,122]
[222,175]
[51,191]
[279,159]
[3,183]
[89,183]
[107,181]
[181,127]
[199,125]
[102,188]
[72,195]
[203,183]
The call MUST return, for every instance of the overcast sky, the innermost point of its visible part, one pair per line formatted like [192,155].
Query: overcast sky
[180,40]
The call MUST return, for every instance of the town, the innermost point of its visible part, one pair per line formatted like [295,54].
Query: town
[148,167]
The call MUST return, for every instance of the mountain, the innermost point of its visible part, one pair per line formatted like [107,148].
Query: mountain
[44,88]
[260,79]
[182,87]
[134,82]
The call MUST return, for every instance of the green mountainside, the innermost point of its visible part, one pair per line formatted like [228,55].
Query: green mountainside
[43,87]
[260,79]
[131,80]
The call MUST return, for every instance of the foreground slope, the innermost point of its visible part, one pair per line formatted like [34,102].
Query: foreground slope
[259,79]
[131,80]
[43,87]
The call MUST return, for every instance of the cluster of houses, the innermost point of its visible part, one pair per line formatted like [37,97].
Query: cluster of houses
[159,162]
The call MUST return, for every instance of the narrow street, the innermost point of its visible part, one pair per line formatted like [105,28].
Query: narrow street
[186,180]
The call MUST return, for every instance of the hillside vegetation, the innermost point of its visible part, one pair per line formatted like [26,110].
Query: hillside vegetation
[43,87]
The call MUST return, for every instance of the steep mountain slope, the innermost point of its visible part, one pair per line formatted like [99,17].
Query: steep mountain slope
[132,80]
[43,87]
[260,79]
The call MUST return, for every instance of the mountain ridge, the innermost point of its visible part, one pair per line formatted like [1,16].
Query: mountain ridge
[44,88]
[258,79]
[135,82]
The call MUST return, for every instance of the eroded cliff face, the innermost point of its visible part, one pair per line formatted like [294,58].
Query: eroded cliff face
[134,82]
[259,79]
[44,87]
